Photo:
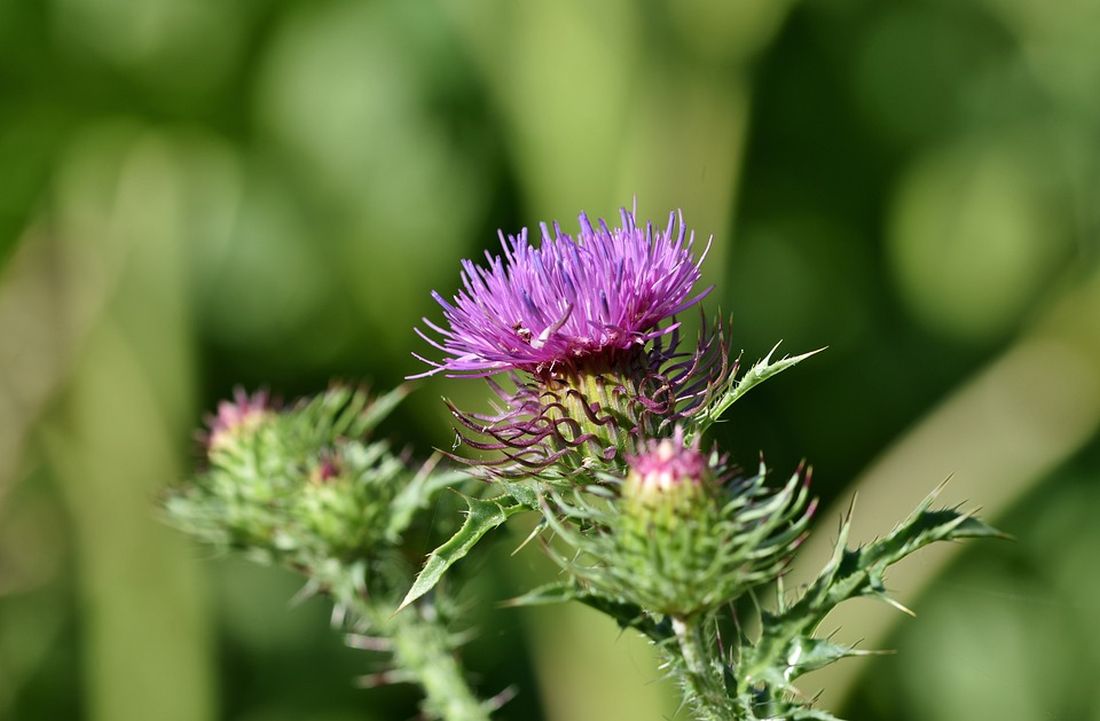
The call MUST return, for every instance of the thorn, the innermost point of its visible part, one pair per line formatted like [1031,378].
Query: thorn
[426,468]
[368,643]
[306,592]
[851,507]
[937,491]
[496,702]
[383,678]
[898,605]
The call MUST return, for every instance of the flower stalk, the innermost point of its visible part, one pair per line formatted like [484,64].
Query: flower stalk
[702,681]
[422,648]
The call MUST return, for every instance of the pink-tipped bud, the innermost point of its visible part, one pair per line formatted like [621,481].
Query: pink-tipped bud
[239,416]
[666,470]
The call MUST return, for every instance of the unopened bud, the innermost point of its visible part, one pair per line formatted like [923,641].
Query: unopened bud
[667,475]
[665,466]
[237,418]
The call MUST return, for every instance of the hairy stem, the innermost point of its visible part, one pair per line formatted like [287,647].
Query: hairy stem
[421,646]
[702,679]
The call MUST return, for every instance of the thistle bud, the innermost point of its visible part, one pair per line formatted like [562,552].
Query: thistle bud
[237,418]
[667,474]
[687,535]
[296,485]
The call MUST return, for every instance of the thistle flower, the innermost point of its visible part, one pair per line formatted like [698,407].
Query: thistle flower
[579,324]
[568,301]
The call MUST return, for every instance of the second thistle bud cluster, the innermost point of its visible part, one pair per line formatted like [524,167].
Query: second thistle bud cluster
[307,487]
[298,485]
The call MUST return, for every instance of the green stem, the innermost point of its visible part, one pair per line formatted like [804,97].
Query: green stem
[421,646]
[702,679]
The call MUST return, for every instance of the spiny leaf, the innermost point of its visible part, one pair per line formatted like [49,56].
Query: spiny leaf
[760,372]
[482,517]
[546,594]
[627,615]
[815,653]
[418,493]
[787,647]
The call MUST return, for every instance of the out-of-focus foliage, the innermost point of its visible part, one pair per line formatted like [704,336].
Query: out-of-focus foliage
[197,194]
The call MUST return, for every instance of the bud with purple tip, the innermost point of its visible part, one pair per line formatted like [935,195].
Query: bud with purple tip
[237,418]
[667,475]
[686,534]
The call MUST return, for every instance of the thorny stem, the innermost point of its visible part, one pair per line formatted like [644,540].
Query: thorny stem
[421,649]
[420,646]
[702,680]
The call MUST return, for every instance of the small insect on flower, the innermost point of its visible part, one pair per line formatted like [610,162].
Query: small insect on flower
[572,298]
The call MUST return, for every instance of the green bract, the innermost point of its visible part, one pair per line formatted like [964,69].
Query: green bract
[686,550]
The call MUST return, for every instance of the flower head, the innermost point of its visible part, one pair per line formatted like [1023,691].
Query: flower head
[572,298]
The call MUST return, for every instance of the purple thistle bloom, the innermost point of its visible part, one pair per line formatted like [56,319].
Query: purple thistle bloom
[573,298]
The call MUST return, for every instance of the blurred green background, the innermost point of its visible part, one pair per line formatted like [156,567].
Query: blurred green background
[198,193]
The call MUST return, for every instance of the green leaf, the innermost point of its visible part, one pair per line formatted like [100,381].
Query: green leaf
[482,517]
[547,594]
[627,615]
[787,647]
[418,493]
[760,372]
